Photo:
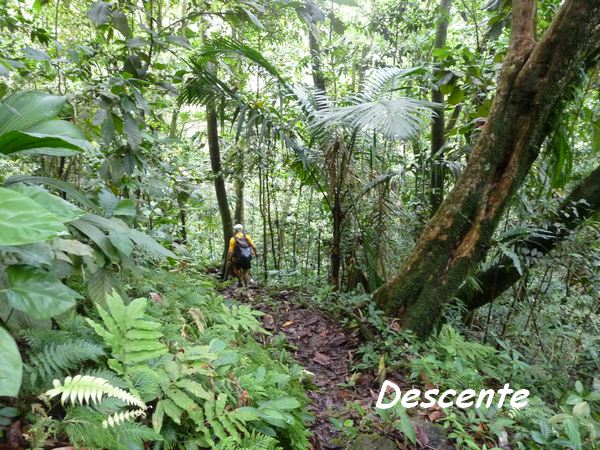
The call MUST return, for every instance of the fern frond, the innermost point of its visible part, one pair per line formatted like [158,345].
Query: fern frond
[85,430]
[123,416]
[138,432]
[454,344]
[108,375]
[38,338]
[55,359]
[82,389]
[127,330]
[77,328]
[254,441]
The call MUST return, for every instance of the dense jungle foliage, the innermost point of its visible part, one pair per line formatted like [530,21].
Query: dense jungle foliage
[421,179]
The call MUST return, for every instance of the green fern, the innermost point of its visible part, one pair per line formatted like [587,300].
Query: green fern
[82,389]
[123,416]
[454,344]
[254,441]
[85,429]
[55,359]
[108,375]
[38,338]
[127,331]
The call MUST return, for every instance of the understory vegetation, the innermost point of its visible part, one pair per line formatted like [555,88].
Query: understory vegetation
[420,178]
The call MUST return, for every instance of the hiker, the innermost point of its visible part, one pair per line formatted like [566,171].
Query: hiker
[239,257]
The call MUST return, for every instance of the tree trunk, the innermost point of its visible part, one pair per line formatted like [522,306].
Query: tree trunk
[456,239]
[239,189]
[336,243]
[315,58]
[436,193]
[181,197]
[212,132]
[582,203]
[263,214]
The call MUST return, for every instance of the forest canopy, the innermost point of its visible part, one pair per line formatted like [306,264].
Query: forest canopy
[226,224]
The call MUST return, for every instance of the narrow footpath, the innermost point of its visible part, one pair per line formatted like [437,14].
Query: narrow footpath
[326,350]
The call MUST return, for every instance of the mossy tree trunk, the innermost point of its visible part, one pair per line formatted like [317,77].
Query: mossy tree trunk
[581,203]
[533,80]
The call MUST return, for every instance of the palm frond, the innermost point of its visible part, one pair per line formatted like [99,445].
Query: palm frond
[205,85]
[384,81]
[227,46]
[400,118]
[376,108]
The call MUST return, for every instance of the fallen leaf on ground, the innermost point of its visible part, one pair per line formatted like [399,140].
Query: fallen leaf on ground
[322,359]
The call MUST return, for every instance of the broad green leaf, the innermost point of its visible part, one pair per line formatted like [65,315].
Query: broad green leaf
[37,292]
[537,437]
[120,22]
[99,12]
[194,388]
[68,188]
[148,244]
[9,411]
[158,416]
[108,201]
[545,429]
[246,414]
[283,403]
[35,54]
[572,430]
[11,365]
[121,241]
[146,355]
[405,425]
[24,221]
[132,131]
[513,256]
[72,247]
[171,409]
[581,409]
[182,400]
[25,109]
[100,284]
[26,126]
[97,236]
[254,19]
[596,136]
[456,96]
[62,209]
[126,207]
[179,40]
[36,254]
[53,138]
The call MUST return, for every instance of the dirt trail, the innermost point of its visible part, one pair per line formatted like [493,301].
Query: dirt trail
[324,348]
